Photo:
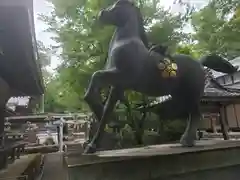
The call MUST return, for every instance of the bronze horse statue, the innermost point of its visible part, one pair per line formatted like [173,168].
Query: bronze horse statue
[131,65]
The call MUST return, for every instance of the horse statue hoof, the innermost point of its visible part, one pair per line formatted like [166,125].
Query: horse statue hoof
[89,149]
[187,141]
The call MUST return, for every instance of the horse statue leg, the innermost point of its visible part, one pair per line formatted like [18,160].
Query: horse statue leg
[189,136]
[93,98]
[93,127]
[98,80]
[108,109]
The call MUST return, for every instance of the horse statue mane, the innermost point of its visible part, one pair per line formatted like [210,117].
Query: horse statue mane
[143,35]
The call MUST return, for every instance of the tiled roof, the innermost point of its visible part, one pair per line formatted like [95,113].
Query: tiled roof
[13,102]
[212,89]
[234,62]
[214,92]
[19,101]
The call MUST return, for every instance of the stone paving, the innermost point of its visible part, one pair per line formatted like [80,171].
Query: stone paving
[53,167]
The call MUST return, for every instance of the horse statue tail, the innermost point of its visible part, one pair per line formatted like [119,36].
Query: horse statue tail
[218,63]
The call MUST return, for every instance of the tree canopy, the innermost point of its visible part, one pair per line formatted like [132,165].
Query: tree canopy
[216,28]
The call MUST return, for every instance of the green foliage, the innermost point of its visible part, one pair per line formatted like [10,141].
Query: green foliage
[51,98]
[172,130]
[188,49]
[168,30]
[44,54]
[60,98]
[216,28]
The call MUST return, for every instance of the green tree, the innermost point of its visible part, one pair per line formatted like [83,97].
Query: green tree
[216,28]
[58,98]
[44,55]
[188,49]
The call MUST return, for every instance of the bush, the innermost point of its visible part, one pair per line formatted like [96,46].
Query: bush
[151,138]
[172,130]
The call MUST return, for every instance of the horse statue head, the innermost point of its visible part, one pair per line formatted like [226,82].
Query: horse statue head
[119,13]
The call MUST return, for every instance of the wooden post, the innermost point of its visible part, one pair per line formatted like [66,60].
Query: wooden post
[61,137]
[13,154]
[5,93]
[235,114]
[213,121]
[224,127]
[4,160]
[42,103]
[18,152]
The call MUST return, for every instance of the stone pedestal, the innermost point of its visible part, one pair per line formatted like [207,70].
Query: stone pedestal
[209,160]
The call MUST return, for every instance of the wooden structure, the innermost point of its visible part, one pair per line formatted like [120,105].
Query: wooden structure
[209,160]
[38,119]
[221,105]
[29,118]
[19,57]
[232,109]
[13,151]
[41,119]
[26,168]
[215,104]
[19,60]
[22,105]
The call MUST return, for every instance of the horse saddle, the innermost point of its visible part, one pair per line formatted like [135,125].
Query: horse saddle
[166,64]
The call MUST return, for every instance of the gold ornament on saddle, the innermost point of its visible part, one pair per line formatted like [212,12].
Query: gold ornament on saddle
[168,68]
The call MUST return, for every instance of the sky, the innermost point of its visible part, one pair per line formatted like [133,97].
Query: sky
[42,7]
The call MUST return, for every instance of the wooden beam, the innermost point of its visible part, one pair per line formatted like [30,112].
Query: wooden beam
[235,114]
[223,119]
